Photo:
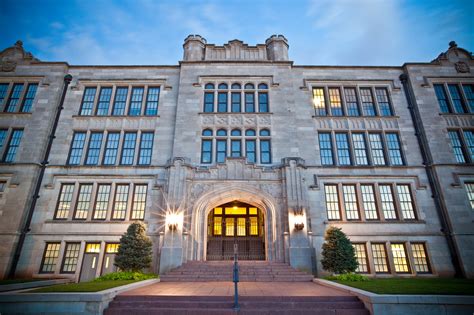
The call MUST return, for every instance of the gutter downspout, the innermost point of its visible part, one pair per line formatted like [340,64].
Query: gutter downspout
[446,225]
[44,163]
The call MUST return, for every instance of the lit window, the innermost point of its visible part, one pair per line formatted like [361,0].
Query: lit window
[263,102]
[458,102]
[78,140]
[351,102]
[249,103]
[335,102]
[120,202]
[12,147]
[368,106]
[146,148]
[241,227]
[379,255]
[253,226]
[139,202]
[394,150]
[406,203]
[104,101]
[64,201]
[350,202]
[83,201]
[29,98]
[95,143]
[325,148]
[120,101]
[368,201]
[442,98]
[128,150]
[101,202]
[50,257]
[218,225]
[208,102]
[319,102]
[71,255]
[400,258]
[420,259]
[360,150]
[229,226]
[332,202]
[376,146]
[470,193]
[88,101]
[361,256]
[14,98]
[151,107]
[112,248]
[136,99]
[111,148]
[388,205]
[384,103]
[343,152]
[92,248]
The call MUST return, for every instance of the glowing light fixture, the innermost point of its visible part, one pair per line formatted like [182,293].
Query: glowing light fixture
[172,221]
[298,218]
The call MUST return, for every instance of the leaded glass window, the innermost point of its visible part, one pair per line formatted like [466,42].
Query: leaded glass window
[120,202]
[139,202]
[120,101]
[369,203]
[265,152]
[400,260]
[101,202]
[71,256]
[442,98]
[206,151]
[14,98]
[351,102]
[420,258]
[236,101]
[319,102]
[29,98]
[13,144]
[146,148]
[406,202]
[325,148]
[152,98]
[457,146]
[222,102]
[250,151]
[361,256]
[128,150]
[376,147]
[249,103]
[83,201]
[368,106]
[111,148]
[388,204]
[95,143]
[379,255]
[136,100]
[50,257]
[335,102]
[343,151]
[88,101]
[77,145]
[332,202]
[221,151]
[350,202]
[64,201]
[360,150]
[394,150]
[263,102]
[235,148]
[104,101]
[384,102]
[208,102]
[458,102]
[469,93]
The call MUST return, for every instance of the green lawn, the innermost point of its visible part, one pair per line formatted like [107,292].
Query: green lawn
[445,286]
[91,286]
[14,281]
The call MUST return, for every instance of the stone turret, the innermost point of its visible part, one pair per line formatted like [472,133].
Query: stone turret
[277,48]
[194,47]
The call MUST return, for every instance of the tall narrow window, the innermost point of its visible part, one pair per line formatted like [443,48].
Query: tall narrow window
[75,155]
[208,102]
[470,193]
[325,148]
[151,107]
[343,151]
[319,102]
[104,101]
[442,98]
[241,228]
[361,256]
[350,202]
[469,138]
[400,260]
[468,91]
[50,257]
[120,202]
[360,150]
[394,150]
[13,144]
[376,146]
[14,98]
[236,102]
[249,103]
[263,102]
[111,148]
[3,92]
[29,98]
[368,201]
[265,152]
[458,102]
[379,254]
[3,136]
[222,102]
[368,106]
[128,150]
[384,102]
[406,202]
[83,201]
[71,256]
[235,148]
[139,202]
[351,102]
[101,202]
[88,101]
[146,148]
[221,151]
[388,205]
[229,226]
[335,102]
[206,151]
[217,225]
[64,201]
[120,101]
[136,100]
[457,146]
[332,202]
[420,259]
[250,151]
[95,143]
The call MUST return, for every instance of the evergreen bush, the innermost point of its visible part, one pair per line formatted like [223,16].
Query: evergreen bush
[134,253]
[338,255]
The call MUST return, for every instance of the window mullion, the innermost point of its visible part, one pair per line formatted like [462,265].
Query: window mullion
[342,206]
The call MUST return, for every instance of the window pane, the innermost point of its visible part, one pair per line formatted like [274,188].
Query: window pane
[217,225]
[209,86]
[83,201]
[319,102]
[128,150]
[222,102]
[14,98]
[3,136]
[241,227]
[222,86]
[262,86]
[253,226]
[236,133]
[458,102]
[136,99]
[95,143]
[442,98]
[146,148]
[88,101]
[420,258]
[101,202]
[236,102]
[380,258]
[249,103]
[71,255]
[250,151]
[208,102]
[111,148]
[351,102]
[376,146]
[384,103]
[151,108]
[468,91]
[206,151]
[470,193]
[92,248]
[265,152]
[360,150]
[207,132]
[265,133]
[139,202]
[12,148]
[368,106]
[77,145]
[394,150]
[221,151]
[335,102]
[249,86]
[104,101]
[250,132]
[457,147]
[332,202]
[120,101]
[325,148]
[236,148]
[406,203]
[343,152]
[3,92]
[368,201]
[361,256]
[236,86]
[350,202]
[120,202]
[50,257]
[469,137]
[221,132]
[263,102]
[112,248]
[64,201]
[229,226]
[388,205]
[399,258]
[29,98]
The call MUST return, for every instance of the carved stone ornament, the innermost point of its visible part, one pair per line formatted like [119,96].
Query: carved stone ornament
[8,66]
[462,67]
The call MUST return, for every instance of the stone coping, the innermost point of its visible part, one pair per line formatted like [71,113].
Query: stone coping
[33,284]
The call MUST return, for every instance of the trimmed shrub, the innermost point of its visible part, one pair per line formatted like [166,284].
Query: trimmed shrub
[348,277]
[134,253]
[338,255]
[126,275]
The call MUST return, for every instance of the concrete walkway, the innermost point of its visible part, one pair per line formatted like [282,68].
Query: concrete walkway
[245,289]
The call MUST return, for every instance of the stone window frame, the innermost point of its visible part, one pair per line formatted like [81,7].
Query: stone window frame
[342,92]
[259,87]
[65,263]
[468,109]
[118,157]
[26,82]
[6,143]
[377,200]
[43,259]
[367,259]
[229,138]
[368,149]
[468,158]
[115,85]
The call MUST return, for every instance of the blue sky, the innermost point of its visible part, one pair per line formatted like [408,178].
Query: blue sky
[320,32]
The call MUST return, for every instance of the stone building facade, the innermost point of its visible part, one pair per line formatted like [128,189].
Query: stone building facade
[236,144]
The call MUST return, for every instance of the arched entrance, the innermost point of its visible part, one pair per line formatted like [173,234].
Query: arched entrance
[235,223]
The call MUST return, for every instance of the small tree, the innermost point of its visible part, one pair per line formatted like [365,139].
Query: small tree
[338,253]
[134,253]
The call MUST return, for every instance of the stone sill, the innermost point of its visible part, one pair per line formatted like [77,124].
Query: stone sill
[16,113]
[114,116]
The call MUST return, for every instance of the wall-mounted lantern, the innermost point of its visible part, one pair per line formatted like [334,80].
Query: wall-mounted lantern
[298,213]
[172,221]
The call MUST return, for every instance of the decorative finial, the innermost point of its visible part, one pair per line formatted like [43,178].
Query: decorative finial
[19,43]
[452,44]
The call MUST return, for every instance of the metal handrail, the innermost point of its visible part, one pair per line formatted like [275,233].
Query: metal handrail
[236,279]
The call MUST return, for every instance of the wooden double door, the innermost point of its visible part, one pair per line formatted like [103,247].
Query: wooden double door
[236,223]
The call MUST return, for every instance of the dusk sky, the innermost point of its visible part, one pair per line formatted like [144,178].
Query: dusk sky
[320,32]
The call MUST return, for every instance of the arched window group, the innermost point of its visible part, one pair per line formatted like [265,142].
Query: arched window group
[249,99]
[236,143]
